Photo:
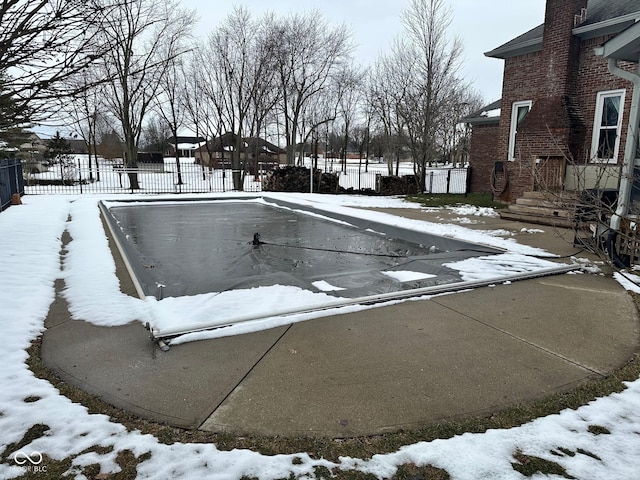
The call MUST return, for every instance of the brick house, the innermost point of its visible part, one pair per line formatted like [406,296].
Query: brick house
[562,121]
[217,152]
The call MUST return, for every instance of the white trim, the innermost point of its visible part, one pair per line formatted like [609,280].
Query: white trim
[597,118]
[513,126]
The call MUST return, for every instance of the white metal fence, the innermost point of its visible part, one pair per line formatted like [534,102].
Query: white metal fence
[78,177]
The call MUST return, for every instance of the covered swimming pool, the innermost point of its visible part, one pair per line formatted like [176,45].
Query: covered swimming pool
[189,248]
[237,247]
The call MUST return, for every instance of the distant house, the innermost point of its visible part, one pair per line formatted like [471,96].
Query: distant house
[78,146]
[563,118]
[260,149]
[31,143]
[185,145]
[218,151]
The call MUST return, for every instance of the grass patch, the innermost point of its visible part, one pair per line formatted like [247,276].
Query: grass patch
[332,449]
[34,432]
[412,472]
[598,430]
[453,200]
[528,466]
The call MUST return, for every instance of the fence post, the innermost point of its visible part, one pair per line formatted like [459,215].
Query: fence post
[80,175]
[467,189]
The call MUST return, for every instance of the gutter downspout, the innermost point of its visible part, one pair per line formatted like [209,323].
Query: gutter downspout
[626,180]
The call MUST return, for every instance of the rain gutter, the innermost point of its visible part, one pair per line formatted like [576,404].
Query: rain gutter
[628,165]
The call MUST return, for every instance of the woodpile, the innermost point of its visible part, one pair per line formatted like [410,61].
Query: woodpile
[298,179]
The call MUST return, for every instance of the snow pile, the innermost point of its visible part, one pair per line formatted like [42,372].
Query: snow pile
[471,210]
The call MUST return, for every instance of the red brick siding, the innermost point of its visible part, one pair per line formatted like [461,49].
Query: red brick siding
[484,154]
[594,77]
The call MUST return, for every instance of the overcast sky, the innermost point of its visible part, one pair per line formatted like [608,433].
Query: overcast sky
[481,24]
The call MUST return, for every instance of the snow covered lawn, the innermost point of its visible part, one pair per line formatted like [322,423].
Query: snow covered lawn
[30,244]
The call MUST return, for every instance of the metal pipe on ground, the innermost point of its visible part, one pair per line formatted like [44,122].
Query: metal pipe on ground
[167,334]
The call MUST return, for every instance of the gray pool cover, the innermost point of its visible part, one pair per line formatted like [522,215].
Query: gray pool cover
[199,247]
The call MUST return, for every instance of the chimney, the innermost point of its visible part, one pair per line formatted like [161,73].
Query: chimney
[560,48]
[555,111]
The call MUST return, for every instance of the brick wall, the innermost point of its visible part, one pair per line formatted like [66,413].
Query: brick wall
[594,77]
[484,154]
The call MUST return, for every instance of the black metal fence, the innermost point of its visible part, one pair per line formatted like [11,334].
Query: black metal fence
[11,181]
[111,177]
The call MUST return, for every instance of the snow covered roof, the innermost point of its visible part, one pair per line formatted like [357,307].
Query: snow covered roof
[489,114]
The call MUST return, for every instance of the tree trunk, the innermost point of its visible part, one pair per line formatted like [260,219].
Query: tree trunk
[236,165]
[177,155]
[132,167]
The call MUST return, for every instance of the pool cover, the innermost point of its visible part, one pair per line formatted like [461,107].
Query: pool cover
[188,248]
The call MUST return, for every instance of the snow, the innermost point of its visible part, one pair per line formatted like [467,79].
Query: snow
[30,245]
[325,286]
[474,211]
[491,113]
[407,275]
[628,281]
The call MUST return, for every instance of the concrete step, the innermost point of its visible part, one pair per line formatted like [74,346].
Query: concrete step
[555,197]
[543,211]
[560,222]
[535,202]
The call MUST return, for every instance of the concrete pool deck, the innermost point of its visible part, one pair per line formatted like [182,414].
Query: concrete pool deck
[384,369]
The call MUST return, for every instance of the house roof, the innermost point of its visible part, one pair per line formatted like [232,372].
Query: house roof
[263,146]
[186,139]
[528,42]
[487,115]
[625,46]
[227,142]
[599,11]
[604,17]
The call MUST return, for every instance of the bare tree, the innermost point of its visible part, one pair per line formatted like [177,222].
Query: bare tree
[144,38]
[42,44]
[362,133]
[240,56]
[84,109]
[308,54]
[201,100]
[453,136]
[431,63]
[386,90]
[155,135]
[350,81]
[170,101]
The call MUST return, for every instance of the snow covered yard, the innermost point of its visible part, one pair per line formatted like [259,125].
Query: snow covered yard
[599,440]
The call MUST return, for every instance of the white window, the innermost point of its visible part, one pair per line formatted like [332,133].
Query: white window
[607,126]
[519,110]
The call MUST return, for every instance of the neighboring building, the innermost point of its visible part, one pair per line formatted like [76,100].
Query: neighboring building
[31,143]
[563,117]
[217,152]
[185,145]
[78,146]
